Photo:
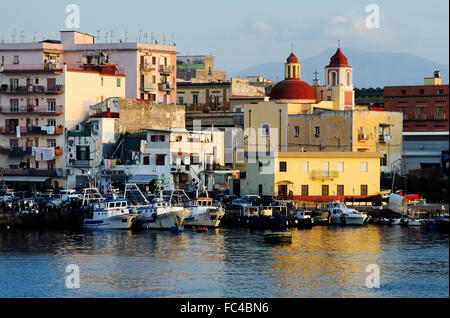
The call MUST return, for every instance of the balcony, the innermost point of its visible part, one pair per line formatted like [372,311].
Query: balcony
[31,89]
[324,174]
[165,87]
[420,116]
[148,87]
[15,150]
[166,68]
[363,137]
[147,67]
[32,172]
[439,116]
[81,163]
[51,68]
[384,138]
[32,130]
[32,110]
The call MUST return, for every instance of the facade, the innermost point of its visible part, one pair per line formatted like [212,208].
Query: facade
[39,103]
[314,176]
[179,157]
[149,68]
[114,131]
[425,110]
[216,96]
[198,69]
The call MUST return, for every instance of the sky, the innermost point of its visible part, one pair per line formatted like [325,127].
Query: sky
[244,33]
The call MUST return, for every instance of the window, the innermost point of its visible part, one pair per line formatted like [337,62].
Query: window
[51,165]
[296,131]
[363,189]
[51,122]
[16,59]
[36,81]
[305,189]
[364,167]
[51,142]
[283,166]
[440,92]
[118,82]
[180,100]
[317,131]
[305,166]
[51,105]
[102,81]
[160,160]
[348,78]
[325,189]
[195,99]
[403,92]
[146,160]
[422,92]
[153,60]
[340,167]
[383,161]
[194,159]
[14,105]
[265,130]
[83,153]
[340,189]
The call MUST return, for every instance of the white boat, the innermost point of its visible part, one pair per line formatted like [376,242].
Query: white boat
[158,214]
[202,211]
[303,219]
[339,213]
[111,214]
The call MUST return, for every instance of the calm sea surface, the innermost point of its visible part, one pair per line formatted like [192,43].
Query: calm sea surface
[320,262]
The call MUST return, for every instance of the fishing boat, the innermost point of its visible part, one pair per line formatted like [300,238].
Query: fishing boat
[157,214]
[202,211]
[321,218]
[304,219]
[111,214]
[340,214]
[278,237]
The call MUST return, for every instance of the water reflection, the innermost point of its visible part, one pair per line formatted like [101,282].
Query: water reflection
[321,262]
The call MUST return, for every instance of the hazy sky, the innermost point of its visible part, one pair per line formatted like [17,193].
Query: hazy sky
[243,33]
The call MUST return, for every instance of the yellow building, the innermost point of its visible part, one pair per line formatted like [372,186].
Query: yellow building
[313,176]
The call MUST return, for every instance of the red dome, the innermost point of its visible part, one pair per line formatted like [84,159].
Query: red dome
[338,59]
[292,58]
[292,89]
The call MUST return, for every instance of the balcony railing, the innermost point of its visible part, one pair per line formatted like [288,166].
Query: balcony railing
[15,150]
[32,89]
[384,138]
[440,116]
[324,174]
[421,116]
[165,87]
[22,109]
[82,163]
[33,172]
[147,67]
[30,130]
[362,137]
[166,68]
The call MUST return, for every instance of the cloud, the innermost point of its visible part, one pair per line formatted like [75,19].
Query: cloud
[256,27]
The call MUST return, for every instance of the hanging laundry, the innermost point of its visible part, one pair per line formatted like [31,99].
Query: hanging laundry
[18,131]
[48,153]
[113,163]
[107,163]
[143,145]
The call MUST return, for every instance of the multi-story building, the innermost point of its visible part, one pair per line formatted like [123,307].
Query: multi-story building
[108,133]
[314,176]
[39,101]
[425,110]
[216,96]
[198,69]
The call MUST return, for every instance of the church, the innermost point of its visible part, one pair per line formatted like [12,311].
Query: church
[321,127]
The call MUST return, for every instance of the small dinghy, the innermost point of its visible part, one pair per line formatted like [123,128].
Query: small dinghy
[278,237]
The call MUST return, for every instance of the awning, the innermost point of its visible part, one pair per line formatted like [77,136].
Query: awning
[142,178]
[285,182]
[14,160]
[25,179]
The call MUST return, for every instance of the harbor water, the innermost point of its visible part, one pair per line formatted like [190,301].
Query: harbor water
[227,262]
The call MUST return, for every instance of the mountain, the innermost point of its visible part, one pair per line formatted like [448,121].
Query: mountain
[370,69]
